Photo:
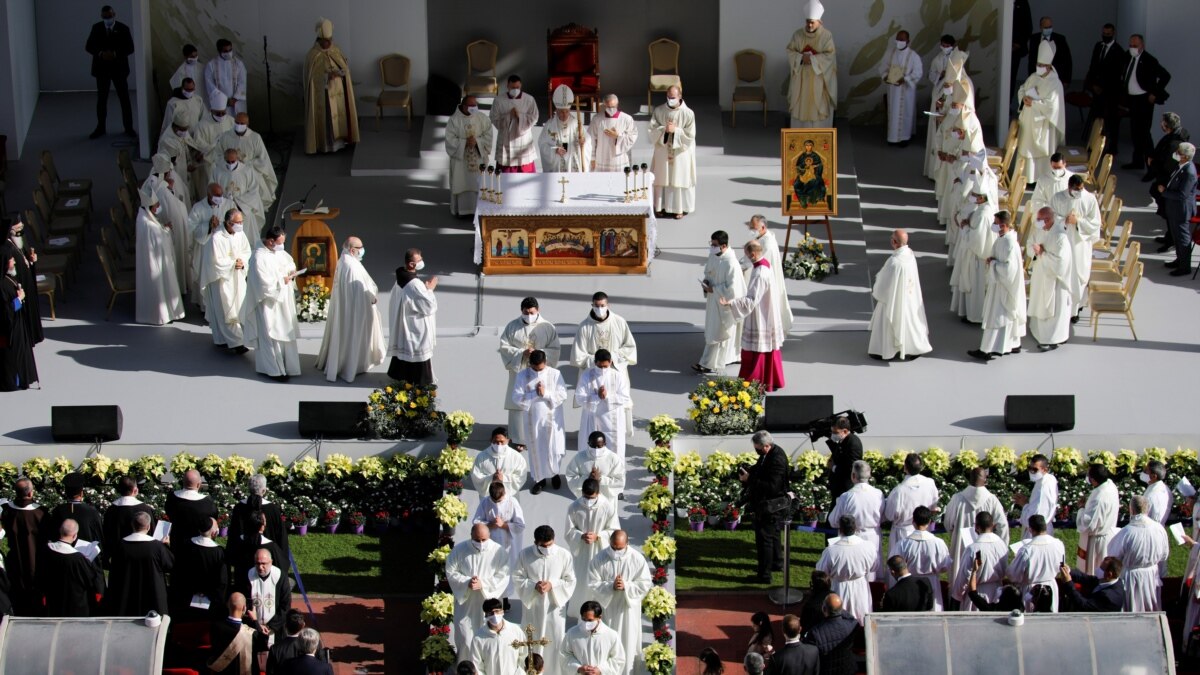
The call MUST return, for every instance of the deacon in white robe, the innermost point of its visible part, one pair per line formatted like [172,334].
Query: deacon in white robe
[812,89]
[469,145]
[1043,497]
[1143,547]
[1037,562]
[520,338]
[191,67]
[848,561]
[539,392]
[545,581]
[898,325]
[762,331]
[915,490]
[353,341]
[864,503]
[564,145]
[252,151]
[413,318]
[223,277]
[227,75]
[1042,123]
[603,394]
[183,98]
[900,71]
[241,186]
[1157,492]
[673,135]
[969,278]
[593,644]
[514,114]
[505,520]
[1051,304]
[492,644]
[596,461]
[591,521]
[1097,522]
[605,329]
[268,317]
[993,557]
[499,462]
[204,219]
[176,143]
[960,515]
[613,134]
[1080,213]
[1004,301]
[772,252]
[945,69]
[477,569]
[619,578]
[1050,183]
[158,299]
[722,281]
[927,555]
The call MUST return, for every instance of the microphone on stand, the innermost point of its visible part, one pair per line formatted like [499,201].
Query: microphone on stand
[303,201]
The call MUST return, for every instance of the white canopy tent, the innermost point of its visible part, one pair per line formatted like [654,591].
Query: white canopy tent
[100,645]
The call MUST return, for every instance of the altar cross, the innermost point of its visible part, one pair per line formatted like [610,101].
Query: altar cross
[563,181]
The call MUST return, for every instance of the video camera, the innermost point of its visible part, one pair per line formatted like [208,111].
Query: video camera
[823,427]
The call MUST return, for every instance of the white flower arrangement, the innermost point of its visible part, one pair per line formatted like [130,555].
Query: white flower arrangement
[312,303]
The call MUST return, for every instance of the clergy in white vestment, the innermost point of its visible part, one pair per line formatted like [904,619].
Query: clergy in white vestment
[353,341]
[1004,300]
[762,330]
[1189,590]
[900,71]
[591,521]
[992,552]
[915,490]
[961,140]
[927,555]
[960,515]
[331,111]
[864,503]
[242,186]
[499,462]
[269,323]
[1157,492]
[1050,183]
[770,244]
[564,144]
[971,174]
[1051,304]
[223,277]
[191,67]
[1038,560]
[597,461]
[1043,496]
[944,70]
[539,392]
[812,88]
[1042,123]
[603,328]
[673,135]
[514,114]
[591,643]
[469,145]
[476,569]
[1080,213]
[172,213]
[722,281]
[521,336]
[413,318]
[492,644]
[898,326]
[613,134]
[850,561]
[183,97]
[603,394]
[1097,522]
[1142,545]
[203,140]
[252,151]
[227,75]
[975,238]
[619,578]
[157,299]
[204,219]
[505,521]
[544,577]
[176,143]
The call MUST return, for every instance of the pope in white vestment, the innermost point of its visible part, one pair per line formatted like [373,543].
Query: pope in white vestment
[520,338]
[1037,563]
[960,515]
[812,90]
[1097,523]
[1042,501]
[915,490]
[1143,547]
[901,71]
[591,521]
[1051,281]
[353,341]
[898,325]
[505,520]
[993,555]
[1004,301]
[226,75]
[268,317]
[478,562]
[1080,213]
[204,219]
[772,252]
[673,134]
[969,278]
[514,114]
[503,460]
[603,394]
[157,299]
[927,556]
[592,643]
[603,328]
[596,455]
[492,651]
[1042,123]
[224,268]
[469,144]
[251,150]
[864,503]
[721,327]
[564,145]
[849,561]
[619,578]
[613,134]
[539,392]
[546,609]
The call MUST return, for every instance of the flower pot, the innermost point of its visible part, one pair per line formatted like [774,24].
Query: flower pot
[223,532]
[332,528]
[359,529]
[661,622]
[696,525]
[302,530]
[732,524]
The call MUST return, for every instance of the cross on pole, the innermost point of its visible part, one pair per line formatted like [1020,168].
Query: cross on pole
[528,644]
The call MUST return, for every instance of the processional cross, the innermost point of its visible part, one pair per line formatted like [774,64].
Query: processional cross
[528,644]
[563,181]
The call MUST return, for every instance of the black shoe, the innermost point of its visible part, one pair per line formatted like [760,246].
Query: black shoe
[979,354]
[556,482]
[1075,319]
[701,369]
[1015,350]
[1131,165]
[239,350]
[220,348]
[96,134]
[279,378]
[1162,239]
[911,357]
[877,357]
[1171,264]
[621,497]
[1047,348]
[1180,272]
[537,487]
[1165,247]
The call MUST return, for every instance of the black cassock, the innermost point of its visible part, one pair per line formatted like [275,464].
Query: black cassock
[137,581]
[241,559]
[277,529]
[70,583]
[91,526]
[17,367]
[118,524]
[203,570]
[189,517]
[26,544]
[27,275]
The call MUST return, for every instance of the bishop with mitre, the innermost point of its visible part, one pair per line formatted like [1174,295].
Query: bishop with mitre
[564,145]
[331,115]
[353,341]
[898,325]
[812,89]
[1042,123]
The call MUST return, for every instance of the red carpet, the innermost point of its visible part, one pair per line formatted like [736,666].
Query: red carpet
[720,621]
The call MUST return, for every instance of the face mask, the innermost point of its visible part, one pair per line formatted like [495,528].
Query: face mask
[619,552]
[1059,173]
[1175,156]
[477,544]
[227,56]
[543,550]
[188,94]
[154,210]
[954,112]
[362,252]
[1074,194]
[1133,52]
[231,165]
[471,110]
[1035,476]
[514,92]
[590,501]
[278,248]
[901,45]
[237,227]
[529,318]
[947,50]
[182,133]
[1047,32]
[419,266]
[497,447]
[217,200]
[612,112]
[591,626]
[672,103]
[947,90]
[218,118]
[715,250]
[12,272]
[495,620]
[109,23]
[600,312]
[1144,477]
[191,60]
[240,128]
[996,228]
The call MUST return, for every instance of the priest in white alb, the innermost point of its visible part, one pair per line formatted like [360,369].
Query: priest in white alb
[603,328]
[901,72]
[564,144]
[771,251]
[673,134]
[476,569]
[157,299]
[204,135]
[591,520]
[603,394]
[1051,282]
[223,277]
[1042,123]
[1080,213]
[242,186]
[992,551]
[1143,547]
[915,490]
[1157,492]
[864,503]
[492,644]
[268,315]
[203,221]
[927,555]
[960,515]
[762,330]
[514,114]
[613,134]
[252,151]
[1097,522]
[505,520]
[226,74]
[499,462]
[191,67]
[722,281]
[469,145]
[172,213]
[619,578]
[331,111]
[812,90]
[183,97]
[544,578]
[176,143]
[898,326]
[598,462]
[521,336]
[1004,315]
[849,560]
[1050,183]
[973,247]
[1038,560]
[413,318]
[592,647]
[353,341]
[539,392]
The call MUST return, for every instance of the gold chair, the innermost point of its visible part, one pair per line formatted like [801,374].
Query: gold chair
[63,205]
[118,282]
[1115,277]
[61,244]
[1103,173]
[664,57]
[1110,260]
[481,68]
[125,198]
[46,287]
[1115,301]
[1108,225]
[53,266]
[1025,227]
[56,225]
[749,66]
[999,156]
[123,260]
[125,161]
[1106,195]
[1089,170]
[71,186]
[1077,153]
[394,71]
[123,228]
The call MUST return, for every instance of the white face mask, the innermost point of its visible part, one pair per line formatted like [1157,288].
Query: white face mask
[495,620]
[231,165]
[419,266]
[188,94]
[278,248]
[591,501]
[182,133]
[591,626]
[1175,156]
[529,318]
[471,110]
[947,50]
[948,89]
[497,447]
[1133,52]
[1074,194]
[237,227]
[514,92]
[1144,477]
[217,200]
[1047,32]
[715,250]
[227,56]
[477,544]
[612,112]
[1059,173]
[996,228]
[362,252]
[620,553]
[191,60]
[600,312]
[543,550]
[901,45]
[1035,476]
[240,128]
[672,103]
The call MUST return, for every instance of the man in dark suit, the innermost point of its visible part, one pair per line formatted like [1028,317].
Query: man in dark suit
[1103,83]
[1161,165]
[910,594]
[308,664]
[765,491]
[1144,84]
[1179,203]
[1102,594]
[289,647]
[834,639]
[1022,26]
[1062,52]
[110,44]
[794,657]
[844,450]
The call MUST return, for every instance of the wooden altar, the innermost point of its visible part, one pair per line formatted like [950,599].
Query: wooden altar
[314,247]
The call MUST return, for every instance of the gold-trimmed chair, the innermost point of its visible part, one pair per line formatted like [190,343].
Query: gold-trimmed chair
[394,71]
[1117,300]
[749,67]
[664,68]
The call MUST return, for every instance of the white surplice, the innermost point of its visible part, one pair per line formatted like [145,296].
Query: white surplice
[514,134]
[611,333]
[599,517]
[622,609]
[864,502]
[1097,523]
[902,93]
[606,415]
[268,317]
[1143,547]
[610,466]
[813,89]
[1043,501]
[674,159]
[1049,184]
[772,252]
[609,153]
[225,285]
[575,157]
[1051,304]
[465,158]
[546,612]
[969,278]
[1082,236]
[721,326]
[193,109]
[511,537]
[993,553]
[543,418]
[516,338]
[243,191]
[762,330]
[157,299]
[1161,500]
[413,317]
[1004,315]
[927,556]
[1041,125]
[229,78]
[486,561]
[960,513]
[492,651]
[848,561]
[353,341]
[913,491]
[600,648]
[503,460]
[898,325]
[1037,563]
[198,228]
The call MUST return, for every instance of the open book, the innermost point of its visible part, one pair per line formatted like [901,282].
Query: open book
[319,209]
[89,549]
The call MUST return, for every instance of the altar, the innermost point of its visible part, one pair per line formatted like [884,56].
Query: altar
[592,231]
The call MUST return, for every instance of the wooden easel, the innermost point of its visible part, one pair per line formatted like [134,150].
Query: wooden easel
[806,221]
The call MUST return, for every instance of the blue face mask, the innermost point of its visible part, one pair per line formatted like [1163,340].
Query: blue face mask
[109,23]
[1047,32]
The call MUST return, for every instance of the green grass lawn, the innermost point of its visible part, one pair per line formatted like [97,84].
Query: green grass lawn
[718,559]
[348,564]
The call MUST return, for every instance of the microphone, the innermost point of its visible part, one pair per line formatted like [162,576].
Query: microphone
[304,200]
[300,202]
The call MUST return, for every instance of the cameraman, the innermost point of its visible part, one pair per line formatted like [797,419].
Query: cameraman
[766,485]
[844,450]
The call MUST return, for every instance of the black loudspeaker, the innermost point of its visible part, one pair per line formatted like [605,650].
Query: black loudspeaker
[85,423]
[332,419]
[794,413]
[1039,413]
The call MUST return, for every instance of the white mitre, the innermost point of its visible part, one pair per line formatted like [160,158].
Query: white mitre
[324,29]
[815,10]
[1045,52]
[563,97]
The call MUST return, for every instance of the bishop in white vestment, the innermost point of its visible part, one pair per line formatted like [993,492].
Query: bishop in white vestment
[353,341]
[223,277]
[1080,213]
[960,515]
[514,114]
[864,503]
[498,462]
[1004,300]
[603,394]
[268,317]
[771,251]
[520,338]
[613,134]
[915,490]
[898,325]
[157,299]
[1042,124]
[242,186]
[591,521]
[900,72]
[944,71]
[564,145]
[477,569]
[975,239]
[226,75]
[413,318]
[203,139]
[927,555]
[605,329]
[544,577]
[812,90]
[722,281]
[539,392]
[596,461]
[849,561]
[469,144]
[1097,522]
[505,520]
[1037,562]
[1051,281]
[1143,547]
[172,213]
[673,134]
[619,578]
[592,643]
